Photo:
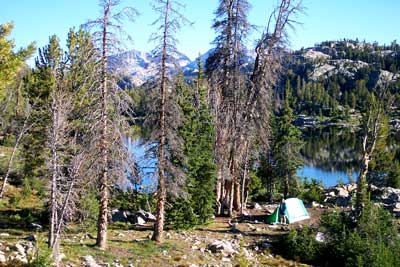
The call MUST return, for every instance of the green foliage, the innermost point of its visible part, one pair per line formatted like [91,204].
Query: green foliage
[258,190]
[181,215]
[15,200]
[197,131]
[301,245]
[393,179]
[131,200]
[42,259]
[241,258]
[371,241]
[312,191]
[88,207]
[27,189]
[10,62]
[39,85]
[286,145]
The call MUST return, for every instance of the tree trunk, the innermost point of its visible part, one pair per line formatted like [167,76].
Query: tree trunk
[286,187]
[56,252]
[103,212]
[103,181]
[237,200]
[244,181]
[231,196]
[161,190]
[18,100]
[361,197]
[218,189]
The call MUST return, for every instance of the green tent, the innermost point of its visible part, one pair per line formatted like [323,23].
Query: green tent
[295,212]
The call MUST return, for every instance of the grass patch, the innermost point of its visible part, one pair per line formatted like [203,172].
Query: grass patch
[146,248]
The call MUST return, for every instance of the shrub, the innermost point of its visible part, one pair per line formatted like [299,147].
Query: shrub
[312,191]
[301,245]
[88,207]
[372,240]
[43,259]
[27,189]
[14,200]
[132,200]
[181,215]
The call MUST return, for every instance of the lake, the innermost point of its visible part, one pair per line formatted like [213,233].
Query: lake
[328,178]
[330,155]
[333,154]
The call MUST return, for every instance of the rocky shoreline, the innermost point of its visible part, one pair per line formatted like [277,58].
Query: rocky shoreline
[344,196]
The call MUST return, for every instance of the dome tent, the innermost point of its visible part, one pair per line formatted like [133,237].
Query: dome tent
[295,212]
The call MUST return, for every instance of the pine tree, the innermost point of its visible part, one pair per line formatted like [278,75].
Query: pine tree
[39,86]
[197,131]
[14,116]
[375,132]
[107,139]
[11,62]
[223,68]
[287,145]
[164,132]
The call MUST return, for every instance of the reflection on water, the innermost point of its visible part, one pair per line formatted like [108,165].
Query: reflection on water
[332,149]
[332,154]
[328,178]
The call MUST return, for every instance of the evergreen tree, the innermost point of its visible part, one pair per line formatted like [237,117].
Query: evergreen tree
[287,145]
[197,131]
[375,132]
[10,62]
[39,87]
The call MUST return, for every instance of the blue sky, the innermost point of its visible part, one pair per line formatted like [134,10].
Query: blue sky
[372,20]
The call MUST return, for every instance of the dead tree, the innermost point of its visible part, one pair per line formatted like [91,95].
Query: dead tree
[243,112]
[15,103]
[164,133]
[227,88]
[57,142]
[66,141]
[25,127]
[265,75]
[105,36]
[374,138]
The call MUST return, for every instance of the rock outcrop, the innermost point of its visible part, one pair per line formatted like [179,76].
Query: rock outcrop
[21,252]
[343,195]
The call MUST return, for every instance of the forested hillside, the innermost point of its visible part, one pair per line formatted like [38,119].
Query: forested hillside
[338,77]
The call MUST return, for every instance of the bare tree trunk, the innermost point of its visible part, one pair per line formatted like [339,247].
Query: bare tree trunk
[11,159]
[237,201]
[231,196]
[103,181]
[55,172]
[244,181]
[18,100]
[161,190]
[56,252]
[362,177]
[369,143]
[218,200]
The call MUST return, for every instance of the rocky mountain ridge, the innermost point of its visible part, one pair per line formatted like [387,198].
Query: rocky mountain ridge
[326,59]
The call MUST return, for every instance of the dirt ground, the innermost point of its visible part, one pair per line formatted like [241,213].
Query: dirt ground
[129,245]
